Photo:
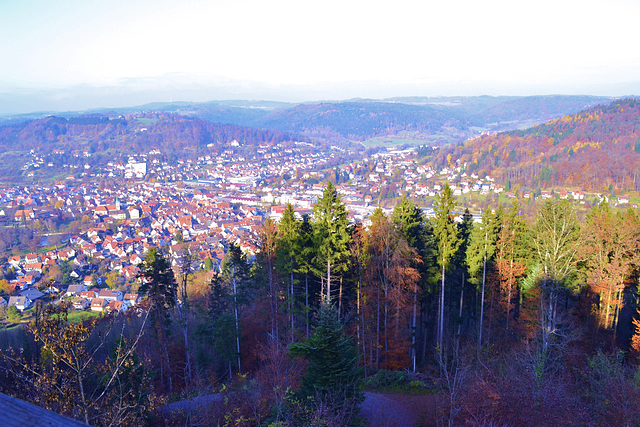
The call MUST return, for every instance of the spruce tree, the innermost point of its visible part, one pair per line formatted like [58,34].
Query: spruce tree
[332,373]
[235,270]
[330,236]
[160,285]
[448,241]
[304,262]
[480,251]
[288,245]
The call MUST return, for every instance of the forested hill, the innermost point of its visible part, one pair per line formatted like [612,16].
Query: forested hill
[128,134]
[451,119]
[441,119]
[595,150]
[362,120]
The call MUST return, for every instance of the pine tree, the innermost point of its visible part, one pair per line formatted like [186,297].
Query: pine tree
[160,285]
[330,236]
[480,251]
[460,261]
[235,270]
[304,262]
[419,233]
[287,248]
[448,241]
[332,373]
[267,260]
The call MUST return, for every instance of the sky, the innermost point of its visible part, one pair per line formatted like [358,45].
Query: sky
[68,54]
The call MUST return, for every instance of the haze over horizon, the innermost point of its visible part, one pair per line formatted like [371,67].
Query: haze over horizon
[78,54]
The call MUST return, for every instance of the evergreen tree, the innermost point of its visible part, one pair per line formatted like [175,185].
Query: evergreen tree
[448,241]
[330,237]
[221,330]
[287,247]
[460,262]
[160,285]
[332,373]
[235,270]
[266,270]
[304,262]
[419,233]
[480,251]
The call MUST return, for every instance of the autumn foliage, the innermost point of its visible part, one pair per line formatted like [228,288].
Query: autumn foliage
[591,150]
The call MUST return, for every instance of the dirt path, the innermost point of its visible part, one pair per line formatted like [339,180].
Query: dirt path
[390,410]
[378,409]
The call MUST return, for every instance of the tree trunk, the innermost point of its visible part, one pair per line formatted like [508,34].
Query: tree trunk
[460,315]
[85,406]
[441,319]
[291,301]
[484,275]
[606,319]
[386,322]
[185,331]
[413,326]
[509,293]
[328,281]
[235,310]
[306,301]
[378,330]
[166,353]
[273,303]
[340,300]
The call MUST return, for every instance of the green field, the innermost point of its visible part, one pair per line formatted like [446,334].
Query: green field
[146,121]
[397,141]
[81,316]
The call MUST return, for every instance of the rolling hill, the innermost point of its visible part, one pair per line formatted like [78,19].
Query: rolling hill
[449,119]
[97,139]
[443,119]
[129,134]
[597,149]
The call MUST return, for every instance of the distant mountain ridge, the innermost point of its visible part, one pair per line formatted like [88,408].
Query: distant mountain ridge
[452,119]
[597,149]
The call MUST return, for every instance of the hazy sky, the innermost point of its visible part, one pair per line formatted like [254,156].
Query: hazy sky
[332,49]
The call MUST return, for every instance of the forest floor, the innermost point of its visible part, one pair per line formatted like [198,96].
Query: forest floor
[398,409]
[378,409]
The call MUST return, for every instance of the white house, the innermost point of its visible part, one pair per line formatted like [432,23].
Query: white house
[21,303]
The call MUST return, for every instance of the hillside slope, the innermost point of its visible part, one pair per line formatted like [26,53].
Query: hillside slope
[94,140]
[129,134]
[596,150]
